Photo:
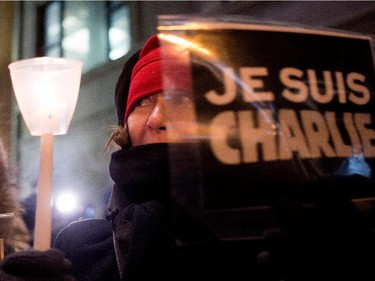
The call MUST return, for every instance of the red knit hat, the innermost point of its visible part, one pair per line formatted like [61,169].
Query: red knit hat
[147,76]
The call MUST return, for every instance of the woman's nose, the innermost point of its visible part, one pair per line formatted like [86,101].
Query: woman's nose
[157,118]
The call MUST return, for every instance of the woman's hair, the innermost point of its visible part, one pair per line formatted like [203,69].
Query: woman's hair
[120,137]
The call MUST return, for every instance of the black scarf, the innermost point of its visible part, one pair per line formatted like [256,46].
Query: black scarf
[140,174]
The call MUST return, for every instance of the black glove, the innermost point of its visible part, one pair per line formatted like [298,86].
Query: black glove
[35,266]
[322,236]
[143,241]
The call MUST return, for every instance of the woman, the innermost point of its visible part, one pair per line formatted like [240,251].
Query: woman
[137,242]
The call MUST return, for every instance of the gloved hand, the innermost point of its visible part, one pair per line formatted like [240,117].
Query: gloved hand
[322,236]
[35,266]
[143,241]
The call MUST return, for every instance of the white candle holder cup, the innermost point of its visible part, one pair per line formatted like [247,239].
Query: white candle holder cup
[46,91]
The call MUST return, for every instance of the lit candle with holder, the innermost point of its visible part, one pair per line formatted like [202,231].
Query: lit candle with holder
[46,91]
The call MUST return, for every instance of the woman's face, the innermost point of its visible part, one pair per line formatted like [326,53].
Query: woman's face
[148,121]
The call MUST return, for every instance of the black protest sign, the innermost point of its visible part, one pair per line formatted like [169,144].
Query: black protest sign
[280,107]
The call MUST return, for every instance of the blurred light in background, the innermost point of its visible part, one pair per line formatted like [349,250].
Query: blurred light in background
[67,202]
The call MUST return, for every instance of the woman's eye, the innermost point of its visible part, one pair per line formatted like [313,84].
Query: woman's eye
[179,98]
[138,103]
[143,102]
[184,98]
